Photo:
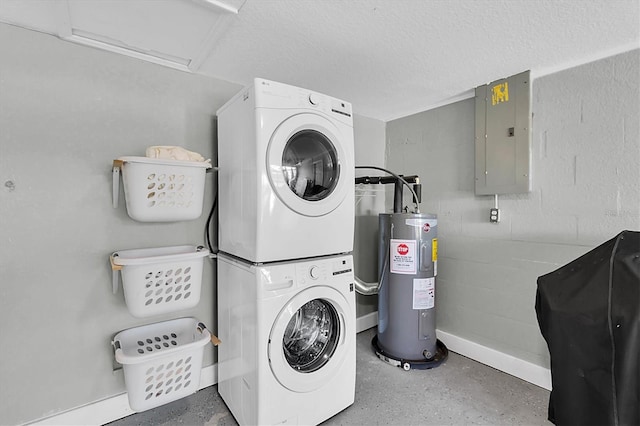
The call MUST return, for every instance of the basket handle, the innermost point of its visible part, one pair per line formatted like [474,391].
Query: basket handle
[114,275]
[214,339]
[117,349]
[115,172]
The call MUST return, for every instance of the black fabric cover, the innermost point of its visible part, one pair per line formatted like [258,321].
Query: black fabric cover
[589,314]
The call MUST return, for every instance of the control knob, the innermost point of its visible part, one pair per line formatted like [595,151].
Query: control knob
[314,272]
[313,99]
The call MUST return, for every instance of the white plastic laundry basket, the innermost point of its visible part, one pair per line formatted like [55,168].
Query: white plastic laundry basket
[160,190]
[161,361]
[159,280]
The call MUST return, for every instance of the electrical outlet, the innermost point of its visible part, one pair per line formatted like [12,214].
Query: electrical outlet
[494,215]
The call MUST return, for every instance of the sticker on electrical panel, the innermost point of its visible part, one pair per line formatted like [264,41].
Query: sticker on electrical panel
[424,293]
[500,93]
[402,254]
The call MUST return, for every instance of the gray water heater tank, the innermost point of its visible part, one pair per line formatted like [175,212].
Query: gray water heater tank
[408,255]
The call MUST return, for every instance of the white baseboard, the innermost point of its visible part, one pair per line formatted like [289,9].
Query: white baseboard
[112,408]
[117,407]
[365,322]
[517,367]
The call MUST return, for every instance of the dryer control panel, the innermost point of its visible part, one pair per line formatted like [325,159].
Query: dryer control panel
[271,94]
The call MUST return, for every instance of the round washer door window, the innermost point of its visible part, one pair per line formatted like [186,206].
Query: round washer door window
[307,340]
[311,336]
[304,160]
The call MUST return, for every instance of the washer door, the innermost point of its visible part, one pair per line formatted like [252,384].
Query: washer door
[306,344]
[304,160]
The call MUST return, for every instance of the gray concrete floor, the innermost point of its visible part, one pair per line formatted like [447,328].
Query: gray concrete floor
[458,392]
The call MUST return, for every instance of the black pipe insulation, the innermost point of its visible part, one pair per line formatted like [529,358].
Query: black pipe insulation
[373,180]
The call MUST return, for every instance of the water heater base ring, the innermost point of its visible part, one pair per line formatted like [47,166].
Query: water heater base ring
[407,364]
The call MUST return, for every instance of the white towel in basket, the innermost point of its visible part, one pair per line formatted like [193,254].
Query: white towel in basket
[174,153]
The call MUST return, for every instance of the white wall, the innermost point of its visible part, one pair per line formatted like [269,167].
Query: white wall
[66,112]
[586,172]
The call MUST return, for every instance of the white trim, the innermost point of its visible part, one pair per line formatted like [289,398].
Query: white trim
[522,369]
[365,322]
[219,6]
[95,413]
[112,408]
[74,38]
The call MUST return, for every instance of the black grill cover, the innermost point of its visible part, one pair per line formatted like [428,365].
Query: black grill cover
[589,314]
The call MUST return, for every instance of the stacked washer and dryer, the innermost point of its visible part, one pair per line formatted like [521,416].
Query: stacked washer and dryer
[286,300]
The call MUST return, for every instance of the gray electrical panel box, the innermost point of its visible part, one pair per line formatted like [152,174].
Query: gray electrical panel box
[503,136]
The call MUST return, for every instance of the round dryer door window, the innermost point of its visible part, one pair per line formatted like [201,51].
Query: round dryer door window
[310,165]
[304,160]
[307,340]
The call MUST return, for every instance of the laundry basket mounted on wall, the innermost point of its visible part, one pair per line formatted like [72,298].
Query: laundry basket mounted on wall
[160,190]
[161,361]
[159,280]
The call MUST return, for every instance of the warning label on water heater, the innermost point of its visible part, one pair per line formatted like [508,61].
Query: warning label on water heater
[424,293]
[402,255]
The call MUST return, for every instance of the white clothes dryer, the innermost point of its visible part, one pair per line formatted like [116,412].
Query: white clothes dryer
[286,174]
[288,333]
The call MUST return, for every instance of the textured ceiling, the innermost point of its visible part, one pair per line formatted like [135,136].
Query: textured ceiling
[389,58]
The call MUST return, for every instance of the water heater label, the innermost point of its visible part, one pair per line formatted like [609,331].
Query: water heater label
[434,249]
[403,256]
[425,224]
[424,293]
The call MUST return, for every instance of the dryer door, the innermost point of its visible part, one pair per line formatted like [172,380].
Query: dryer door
[305,159]
[307,340]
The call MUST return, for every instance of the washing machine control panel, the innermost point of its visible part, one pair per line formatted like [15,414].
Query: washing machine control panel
[326,269]
[343,266]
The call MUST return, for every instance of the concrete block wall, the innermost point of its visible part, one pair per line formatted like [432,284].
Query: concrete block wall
[586,175]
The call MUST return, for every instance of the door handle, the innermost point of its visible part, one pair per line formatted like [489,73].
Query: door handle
[279,285]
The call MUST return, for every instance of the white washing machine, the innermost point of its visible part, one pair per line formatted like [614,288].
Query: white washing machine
[288,333]
[286,163]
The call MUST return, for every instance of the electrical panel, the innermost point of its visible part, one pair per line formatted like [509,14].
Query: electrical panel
[503,136]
